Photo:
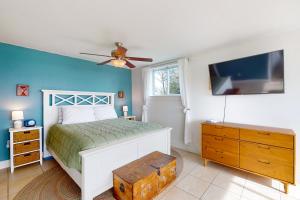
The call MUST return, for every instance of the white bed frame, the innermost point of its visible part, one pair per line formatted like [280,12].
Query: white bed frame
[98,163]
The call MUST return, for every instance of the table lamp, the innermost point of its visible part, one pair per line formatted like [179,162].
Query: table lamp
[17,116]
[125,111]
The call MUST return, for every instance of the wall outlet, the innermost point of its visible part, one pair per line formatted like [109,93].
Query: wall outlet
[7,144]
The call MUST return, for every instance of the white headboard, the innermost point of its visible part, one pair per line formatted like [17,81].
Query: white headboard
[53,99]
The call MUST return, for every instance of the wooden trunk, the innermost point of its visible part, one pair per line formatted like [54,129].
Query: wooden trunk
[165,166]
[144,178]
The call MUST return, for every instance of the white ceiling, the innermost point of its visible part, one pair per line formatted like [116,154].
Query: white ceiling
[161,29]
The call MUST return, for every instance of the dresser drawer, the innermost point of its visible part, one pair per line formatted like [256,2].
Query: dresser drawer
[221,143]
[264,137]
[267,168]
[26,135]
[26,147]
[224,157]
[277,155]
[26,158]
[220,131]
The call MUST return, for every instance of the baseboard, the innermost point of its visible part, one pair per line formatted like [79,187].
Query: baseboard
[4,164]
[48,158]
[186,148]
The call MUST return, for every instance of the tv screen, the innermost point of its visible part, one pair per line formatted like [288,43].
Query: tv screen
[259,74]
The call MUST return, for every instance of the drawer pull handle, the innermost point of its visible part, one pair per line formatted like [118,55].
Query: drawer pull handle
[26,143]
[264,133]
[28,154]
[219,139]
[122,187]
[26,132]
[264,162]
[263,147]
[219,151]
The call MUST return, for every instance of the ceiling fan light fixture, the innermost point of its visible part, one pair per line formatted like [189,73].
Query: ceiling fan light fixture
[118,62]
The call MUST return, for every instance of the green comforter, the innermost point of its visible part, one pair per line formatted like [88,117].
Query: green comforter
[68,140]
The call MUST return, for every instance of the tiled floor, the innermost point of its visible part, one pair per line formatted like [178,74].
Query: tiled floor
[213,182]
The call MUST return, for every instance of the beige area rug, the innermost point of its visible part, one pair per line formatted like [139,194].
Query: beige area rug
[55,184]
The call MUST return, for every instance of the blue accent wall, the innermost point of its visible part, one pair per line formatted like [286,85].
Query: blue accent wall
[42,70]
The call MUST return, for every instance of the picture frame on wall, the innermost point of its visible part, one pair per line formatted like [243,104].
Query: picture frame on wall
[22,90]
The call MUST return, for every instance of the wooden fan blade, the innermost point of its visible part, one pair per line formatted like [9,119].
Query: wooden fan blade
[93,54]
[129,64]
[140,59]
[103,63]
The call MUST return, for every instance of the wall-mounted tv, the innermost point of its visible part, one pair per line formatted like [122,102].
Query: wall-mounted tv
[259,74]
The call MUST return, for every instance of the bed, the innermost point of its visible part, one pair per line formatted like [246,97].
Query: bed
[94,173]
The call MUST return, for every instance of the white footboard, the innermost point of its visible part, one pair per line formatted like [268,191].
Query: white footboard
[98,164]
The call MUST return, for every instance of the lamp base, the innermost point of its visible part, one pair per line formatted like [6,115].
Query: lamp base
[18,124]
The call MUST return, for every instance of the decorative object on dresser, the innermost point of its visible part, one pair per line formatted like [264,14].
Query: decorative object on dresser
[17,116]
[129,117]
[125,111]
[25,146]
[144,178]
[265,151]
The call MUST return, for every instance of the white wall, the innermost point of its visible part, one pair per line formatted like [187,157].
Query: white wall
[169,112]
[137,93]
[279,110]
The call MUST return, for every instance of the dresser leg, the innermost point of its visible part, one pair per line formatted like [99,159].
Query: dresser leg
[205,162]
[286,187]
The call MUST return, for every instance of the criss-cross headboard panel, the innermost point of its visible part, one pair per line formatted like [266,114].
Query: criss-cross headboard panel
[54,99]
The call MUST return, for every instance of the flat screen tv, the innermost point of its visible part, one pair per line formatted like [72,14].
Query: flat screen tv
[259,74]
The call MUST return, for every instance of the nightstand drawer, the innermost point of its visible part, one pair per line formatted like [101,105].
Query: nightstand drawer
[26,147]
[26,135]
[26,158]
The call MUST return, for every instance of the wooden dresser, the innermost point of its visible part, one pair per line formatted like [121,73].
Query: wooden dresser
[265,151]
[25,146]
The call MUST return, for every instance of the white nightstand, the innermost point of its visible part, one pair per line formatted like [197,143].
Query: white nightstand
[129,117]
[25,146]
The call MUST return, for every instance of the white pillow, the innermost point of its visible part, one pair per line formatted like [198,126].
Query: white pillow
[105,112]
[73,115]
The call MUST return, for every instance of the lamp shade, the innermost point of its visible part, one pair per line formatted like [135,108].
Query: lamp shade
[125,108]
[118,62]
[17,115]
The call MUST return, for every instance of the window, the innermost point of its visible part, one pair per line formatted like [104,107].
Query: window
[165,81]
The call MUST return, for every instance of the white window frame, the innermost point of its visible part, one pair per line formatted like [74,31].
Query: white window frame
[169,66]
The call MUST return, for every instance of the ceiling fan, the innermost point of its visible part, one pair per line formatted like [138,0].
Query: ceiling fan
[118,57]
